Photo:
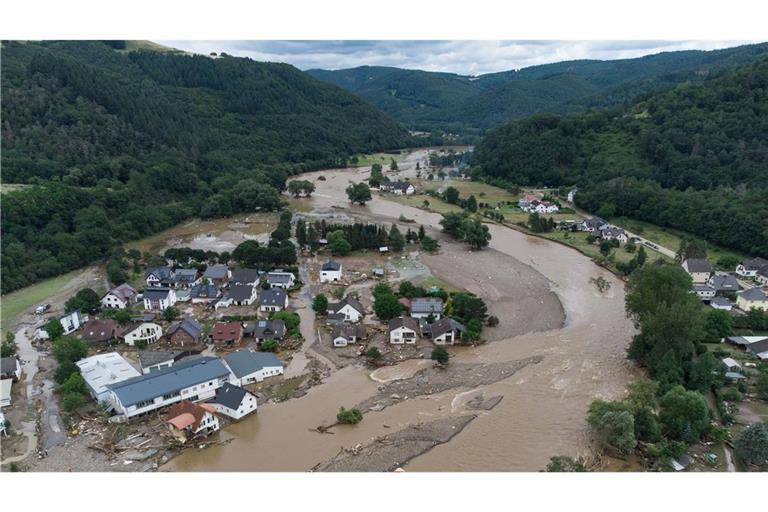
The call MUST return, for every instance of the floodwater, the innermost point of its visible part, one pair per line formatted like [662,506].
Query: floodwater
[544,406]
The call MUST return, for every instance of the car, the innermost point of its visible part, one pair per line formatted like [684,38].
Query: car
[42,308]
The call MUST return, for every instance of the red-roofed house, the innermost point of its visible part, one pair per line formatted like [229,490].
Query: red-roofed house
[187,419]
[226,333]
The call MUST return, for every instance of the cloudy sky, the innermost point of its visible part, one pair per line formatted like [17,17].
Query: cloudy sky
[464,57]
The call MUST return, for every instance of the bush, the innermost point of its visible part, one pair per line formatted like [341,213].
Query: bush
[269,345]
[440,355]
[73,401]
[64,370]
[320,304]
[373,353]
[349,416]
[565,465]
[752,444]
[493,321]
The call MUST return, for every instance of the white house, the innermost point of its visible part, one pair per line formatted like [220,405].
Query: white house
[234,401]
[158,276]
[593,224]
[247,366]
[119,297]
[240,295]
[699,269]
[614,233]
[284,280]
[135,332]
[11,368]
[750,268]
[446,331]
[704,291]
[572,194]
[102,370]
[762,276]
[72,321]
[403,330]
[350,307]
[399,188]
[331,271]
[156,360]
[157,299]
[753,298]
[274,299]
[5,392]
[423,307]
[343,335]
[187,419]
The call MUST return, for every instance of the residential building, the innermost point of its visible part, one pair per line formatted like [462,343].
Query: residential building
[754,298]
[247,366]
[330,272]
[72,321]
[699,269]
[218,275]
[724,283]
[226,333]
[156,360]
[102,370]
[731,364]
[234,401]
[572,194]
[97,331]
[284,280]
[762,276]
[750,268]
[245,276]
[446,331]
[157,299]
[539,207]
[350,307]
[403,330]
[343,335]
[759,349]
[423,307]
[184,278]
[10,368]
[203,293]
[237,295]
[721,303]
[273,299]
[119,297]
[265,330]
[194,380]
[593,225]
[187,420]
[141,331]
[5,392]
[704,291]
[185,333]
[159,276]
[614,233]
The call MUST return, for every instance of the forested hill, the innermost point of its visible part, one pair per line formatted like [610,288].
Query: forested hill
[121,144]
[693,158]
[469,105]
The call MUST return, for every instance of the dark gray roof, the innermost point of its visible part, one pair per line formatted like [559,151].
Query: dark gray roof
[185,275]
[349,330]
[156,293]
[272,297]
[162,273]
[445,325]
[279,277]
[216,272]
[612,232]
[204,291]
[594,222]
[245,362]
[8,365]
[187,325]
[698,265]
[153,357]
[724,283]
[755,263]
[331,265]
[404,321]
[230,396]
[266,329]
[703,288]
[426,305]
[124,291]
[757,347]
[400,185]
[169,380]
[753,294]
[720,301]
[240,291]
[333,318]
[348,300]
[245,275]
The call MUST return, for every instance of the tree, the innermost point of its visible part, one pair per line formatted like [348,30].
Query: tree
[440,355]
[563,464]
[684,415]
[69,348]
[471,204]
[320,304]
[85,300]
[386,306]
[392,165]
[54,329]
[73,401]
[475,233]
[473,332]
[74,384]
[122,316]
[349,416]
[429,244]
[465,306]
[170,314]
[706,371]
[359,193]
[718,325]
[493,321]
[605,248]
[396,240]
[376,175]
[8,347]
[615,422]
[338,244]
[451,195]
[422,232]
[606,210]
[762,385]
[373,354]
[64,370]
[751,445]
[269,345]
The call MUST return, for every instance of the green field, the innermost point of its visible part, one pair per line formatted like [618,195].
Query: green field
[14,303]
[578,240]
[381,158]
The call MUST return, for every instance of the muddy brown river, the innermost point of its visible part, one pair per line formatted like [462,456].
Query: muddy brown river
[544,406]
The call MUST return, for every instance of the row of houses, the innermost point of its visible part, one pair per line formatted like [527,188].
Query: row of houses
[533,204]
[716,288]
[399,188]
[602,230]
[408,330]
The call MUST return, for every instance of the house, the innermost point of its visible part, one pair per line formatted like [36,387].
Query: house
[245,276]
[614,233]
[203,293]
[119,297]
[158,276]
[750,268]
[593,225]
[187,420]
[10,368]
[743,341]
[185,333]
[762,276]
[724,284]
[525,202]
[284,280]
[403,330]
[273,300]
[423,307]
[731,364]
[398,188]
[234,401]
[541,207]
[157,299]
[683,462]
[5,392]
[334,318]
[218,275]
[735,376]
[156,360]
[704,291]
[247,366]
[759,349]
[343,335]
[102,370]
[698,268]
[350,307]
[96,331]
[721,303]
[446,331]
[72,321]
[265,330]
[754,298]
[241,294]
[141,331]
[227,333]
[330,272]
[184,278]
[377,272]
[194,380]
[572,194]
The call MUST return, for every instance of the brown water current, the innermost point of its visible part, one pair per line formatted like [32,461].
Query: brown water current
[544,406]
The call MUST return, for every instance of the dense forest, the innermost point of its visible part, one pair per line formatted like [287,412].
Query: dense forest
[113,145]
[692,158]
[468,105]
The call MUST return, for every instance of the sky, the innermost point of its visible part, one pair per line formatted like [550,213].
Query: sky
[463,57]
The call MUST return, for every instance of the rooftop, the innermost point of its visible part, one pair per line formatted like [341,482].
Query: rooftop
[331,265]
[698,265]
[230,395]
[426,305]
[101,370]
[245,362]
[273,297]
[216,272]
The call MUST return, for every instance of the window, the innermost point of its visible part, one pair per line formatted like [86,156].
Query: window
[170,395]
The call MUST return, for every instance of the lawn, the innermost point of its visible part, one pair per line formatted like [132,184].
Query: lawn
[381,158]
[578,240]
[16,302]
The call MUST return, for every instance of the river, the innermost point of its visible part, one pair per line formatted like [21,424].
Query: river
[544,406]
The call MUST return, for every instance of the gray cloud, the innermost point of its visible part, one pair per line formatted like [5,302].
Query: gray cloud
[464,57]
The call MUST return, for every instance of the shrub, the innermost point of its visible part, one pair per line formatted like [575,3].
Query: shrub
[440,355]
[349,416]
[269,345]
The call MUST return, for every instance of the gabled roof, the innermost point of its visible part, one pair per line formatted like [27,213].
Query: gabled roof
[273,297]
[245,275]
[347,301]
[161,273]
[9,364]
[724,283]
[230,396]
[612,232]
[280,277]
[404,321]
[216,272]
[331,265]
[99,330]
[401,185]
[246,362]
[186,414]
[427,305]
[204,291]
[594,222]
[266,329]
[124,292]
[753,295]
[240,292]
[349,331]
[156,293]
[697,265]
[129,328]
[152,357]
[720,301]
[222,331]
[445,325]
[758,347]
[185,275]
[755,263]
[187,325]
[169,380]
